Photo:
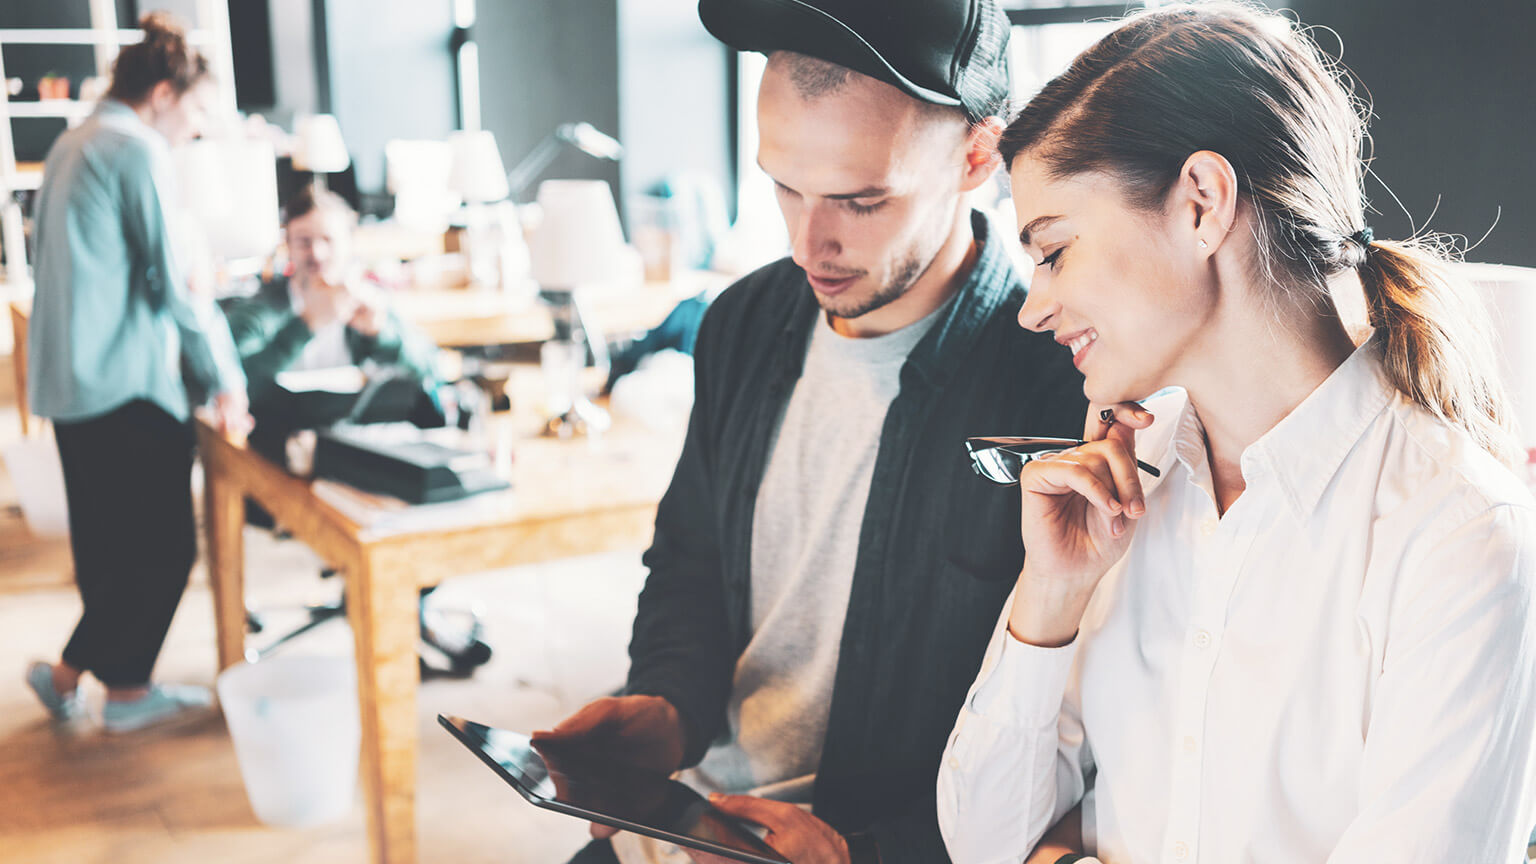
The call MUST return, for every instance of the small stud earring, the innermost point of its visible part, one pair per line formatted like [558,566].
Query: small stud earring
[1203,244]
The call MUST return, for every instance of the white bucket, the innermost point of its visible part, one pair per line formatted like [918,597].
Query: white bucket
[294,722]
[33,464]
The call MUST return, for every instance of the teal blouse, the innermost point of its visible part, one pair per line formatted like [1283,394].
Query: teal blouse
[112,320]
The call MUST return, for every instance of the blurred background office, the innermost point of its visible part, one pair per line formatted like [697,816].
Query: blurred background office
[441,123]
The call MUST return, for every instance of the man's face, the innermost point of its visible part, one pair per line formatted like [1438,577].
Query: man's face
[319,244]
[867,181]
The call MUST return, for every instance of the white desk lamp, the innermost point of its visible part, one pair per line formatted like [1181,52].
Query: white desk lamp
[318,147]
[579,242]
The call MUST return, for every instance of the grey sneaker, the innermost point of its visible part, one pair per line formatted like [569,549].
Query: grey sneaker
[60,707]
[162,704]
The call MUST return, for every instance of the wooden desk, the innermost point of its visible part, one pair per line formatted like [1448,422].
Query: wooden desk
[568,498]
[21,316]
[475,317]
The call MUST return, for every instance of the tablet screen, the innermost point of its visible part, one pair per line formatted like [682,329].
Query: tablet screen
[563,776]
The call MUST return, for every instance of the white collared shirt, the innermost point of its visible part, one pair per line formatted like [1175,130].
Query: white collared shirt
[1341,668]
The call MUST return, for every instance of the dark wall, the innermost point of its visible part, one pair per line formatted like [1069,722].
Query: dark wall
[547,62]
[34,135]
[674,96]
[1453,87]
[391,75]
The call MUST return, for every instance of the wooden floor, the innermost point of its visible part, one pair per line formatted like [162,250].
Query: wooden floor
[75,795]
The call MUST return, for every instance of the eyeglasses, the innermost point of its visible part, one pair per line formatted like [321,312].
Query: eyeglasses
[1000,459]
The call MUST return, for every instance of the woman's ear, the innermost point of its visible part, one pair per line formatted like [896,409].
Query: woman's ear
[981,156]
[162,97]
[1205,201]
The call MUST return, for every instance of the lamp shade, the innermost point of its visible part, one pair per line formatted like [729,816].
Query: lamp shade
[477,173]
[318,145]
[579,240]
[230,187]
[1510,293]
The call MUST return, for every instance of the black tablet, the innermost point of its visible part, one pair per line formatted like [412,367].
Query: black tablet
[563,777]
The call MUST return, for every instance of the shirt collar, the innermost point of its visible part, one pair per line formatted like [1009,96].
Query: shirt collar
[121,117]
[1302,452]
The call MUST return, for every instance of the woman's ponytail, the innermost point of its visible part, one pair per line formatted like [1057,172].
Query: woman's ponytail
[1438,341]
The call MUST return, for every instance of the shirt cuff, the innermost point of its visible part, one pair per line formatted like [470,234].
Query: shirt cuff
[1026,685]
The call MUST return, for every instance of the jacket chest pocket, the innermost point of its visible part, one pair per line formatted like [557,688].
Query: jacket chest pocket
[981,529]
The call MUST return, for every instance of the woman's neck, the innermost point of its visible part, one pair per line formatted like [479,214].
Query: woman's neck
[1255,371]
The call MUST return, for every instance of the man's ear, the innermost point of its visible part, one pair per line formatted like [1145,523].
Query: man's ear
[981,156]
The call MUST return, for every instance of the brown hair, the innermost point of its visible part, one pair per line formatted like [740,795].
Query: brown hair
[308,199]
[163,55]
[1250,85]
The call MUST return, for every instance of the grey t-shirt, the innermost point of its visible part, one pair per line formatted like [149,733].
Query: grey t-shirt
[805,539]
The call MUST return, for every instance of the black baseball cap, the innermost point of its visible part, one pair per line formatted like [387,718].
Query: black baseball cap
[947,52]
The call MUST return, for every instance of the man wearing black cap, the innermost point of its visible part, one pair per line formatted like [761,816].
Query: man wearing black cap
[826,569]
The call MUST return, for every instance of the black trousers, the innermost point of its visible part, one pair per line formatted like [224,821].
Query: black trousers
[128,482]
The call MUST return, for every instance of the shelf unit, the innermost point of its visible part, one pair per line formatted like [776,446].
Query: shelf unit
[210,34]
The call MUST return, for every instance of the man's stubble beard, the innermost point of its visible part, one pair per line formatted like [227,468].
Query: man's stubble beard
[906,275]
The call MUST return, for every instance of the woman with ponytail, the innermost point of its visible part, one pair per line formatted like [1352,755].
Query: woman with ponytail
[112,332]
[1309,639]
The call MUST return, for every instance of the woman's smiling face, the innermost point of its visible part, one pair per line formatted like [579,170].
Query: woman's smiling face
[1109,281]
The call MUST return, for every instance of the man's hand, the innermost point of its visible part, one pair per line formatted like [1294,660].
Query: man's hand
[644,731]
[792,831]
[326,303]
[371,314]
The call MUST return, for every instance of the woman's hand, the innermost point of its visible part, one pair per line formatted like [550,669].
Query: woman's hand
[1079,512]
[232,414]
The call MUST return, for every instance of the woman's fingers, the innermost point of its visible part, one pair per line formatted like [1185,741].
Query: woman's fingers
[1120,458]
[1115,484]
[1102,420]
[1073,471]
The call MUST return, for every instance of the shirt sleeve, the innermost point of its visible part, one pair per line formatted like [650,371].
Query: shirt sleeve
[1016,761]
[680,648]
[209,359]
[1448,762]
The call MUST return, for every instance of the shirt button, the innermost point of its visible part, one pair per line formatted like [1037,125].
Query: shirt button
[954,763]
[1208,527]
[1189,744]
[1203,639]
[1181,850]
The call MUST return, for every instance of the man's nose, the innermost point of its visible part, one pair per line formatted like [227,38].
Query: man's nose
[815,236]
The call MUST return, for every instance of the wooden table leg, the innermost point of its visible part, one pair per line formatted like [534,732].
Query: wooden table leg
[226,564]
[382,606]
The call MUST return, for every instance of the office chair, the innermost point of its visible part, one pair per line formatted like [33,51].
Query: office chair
[457,652]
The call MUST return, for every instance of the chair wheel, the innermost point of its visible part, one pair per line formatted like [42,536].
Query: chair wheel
[476,654]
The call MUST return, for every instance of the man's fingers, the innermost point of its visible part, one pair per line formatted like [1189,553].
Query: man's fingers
[602,832]
[590,719]
[769,814]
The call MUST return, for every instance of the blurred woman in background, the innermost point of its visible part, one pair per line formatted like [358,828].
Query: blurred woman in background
[113,332]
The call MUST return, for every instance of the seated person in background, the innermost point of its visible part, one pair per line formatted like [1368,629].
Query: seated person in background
[320,316]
